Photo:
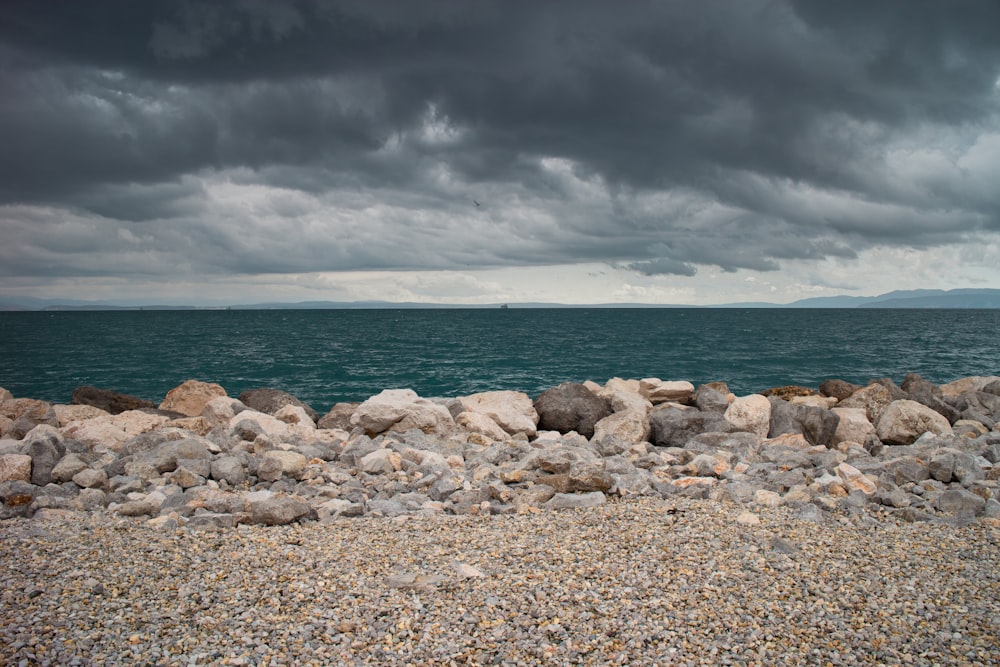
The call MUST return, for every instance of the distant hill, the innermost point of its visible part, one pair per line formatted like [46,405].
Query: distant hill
[956,298]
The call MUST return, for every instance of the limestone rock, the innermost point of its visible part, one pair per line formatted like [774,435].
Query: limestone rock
[220,410]
[853,426]
[477,422]
[855,480]
[749,413]
[229,469]
[72,413]
[873,399]
[964,385]
[625,396]
[381,461]
[674,427]
[165,457]
[710,399]
[270,401]
[249,424]
[658,391]
[190,397]
[15,468]
[402,410]
[817,425]
[960,501]
[627,425]
[576,500]
[272,510]
[88,478]
[277,463]
[67,467]
[112,432]
[339,416]
[513,411]
[904,421]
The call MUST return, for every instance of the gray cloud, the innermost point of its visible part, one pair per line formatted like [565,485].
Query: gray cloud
[281,137]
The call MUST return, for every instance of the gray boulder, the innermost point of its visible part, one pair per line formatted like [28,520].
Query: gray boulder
[44,445]
[927,393]
[278,510]
[839,389]
[710,399]
[229,469]
[571,407]
[562,501]
[960,501]
[164,457]
[269,401]
[817,425]
[675,427]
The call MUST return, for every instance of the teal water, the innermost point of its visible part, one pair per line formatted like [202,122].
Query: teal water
[326,356]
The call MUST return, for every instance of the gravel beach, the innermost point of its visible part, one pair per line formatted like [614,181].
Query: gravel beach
[632,582]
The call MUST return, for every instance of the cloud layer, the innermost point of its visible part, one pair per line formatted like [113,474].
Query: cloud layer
[151,140]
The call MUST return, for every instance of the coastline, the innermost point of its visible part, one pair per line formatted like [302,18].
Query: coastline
[634,522]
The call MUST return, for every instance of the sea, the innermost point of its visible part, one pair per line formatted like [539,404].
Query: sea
[329,356]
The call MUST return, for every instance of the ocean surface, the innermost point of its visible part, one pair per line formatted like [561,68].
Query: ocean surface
[327,356]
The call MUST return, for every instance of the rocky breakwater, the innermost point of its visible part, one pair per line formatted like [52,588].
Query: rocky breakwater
[207,461]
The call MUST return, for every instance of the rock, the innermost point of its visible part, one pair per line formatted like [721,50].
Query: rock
[165,457]
[626,426]
[904,421]
[853,426]
[749,413]
[960,501]
[513,411]
[339,416]
[229,469]
[766,498]
[786,392]
[674,427]
[88,478]
[817,425]
[72,413]
[190,397]
[657,391]
[854,479]
[381,462]
[947,465]
[873,399]
[220,410]
[477,422]
[277,463]
[402,410]
[109,401]
[270,510]
[211,522]
[838,389]
[625,396]
[562,501]
[571,407]
[907,470]
[109,434]
[709,399]
[581,477]
[270,401]
[15,468]
[964,385]
[67,467]
[44,444]
[26,414]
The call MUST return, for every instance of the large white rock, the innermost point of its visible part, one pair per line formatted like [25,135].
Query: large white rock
[250,423]
[904,421]
[974,383]
[477,422]
[854,426]
[110,432]
[221,409]
[289,464]
[190,397]
[625,396]
[402,410]
[627,425]
[72,413]
[659,391]
[513,411]
[381,461]
[750,413]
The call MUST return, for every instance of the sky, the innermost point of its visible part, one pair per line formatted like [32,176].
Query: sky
[467,151]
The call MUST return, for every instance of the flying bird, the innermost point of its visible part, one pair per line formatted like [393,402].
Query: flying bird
[476,203]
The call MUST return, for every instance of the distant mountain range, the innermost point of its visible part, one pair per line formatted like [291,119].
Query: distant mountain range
[956,298]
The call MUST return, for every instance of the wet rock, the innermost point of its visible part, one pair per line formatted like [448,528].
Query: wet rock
[111,402]
[571,407]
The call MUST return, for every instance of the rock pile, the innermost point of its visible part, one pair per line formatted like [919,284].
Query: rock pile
[208,461]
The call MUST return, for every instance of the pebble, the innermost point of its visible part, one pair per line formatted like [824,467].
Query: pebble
[631,582]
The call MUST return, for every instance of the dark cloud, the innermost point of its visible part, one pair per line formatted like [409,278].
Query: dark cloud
[660,136]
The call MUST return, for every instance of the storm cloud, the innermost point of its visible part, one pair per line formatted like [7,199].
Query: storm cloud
[243,138]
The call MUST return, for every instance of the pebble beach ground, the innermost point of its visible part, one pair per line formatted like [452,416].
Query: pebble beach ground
[634,582]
